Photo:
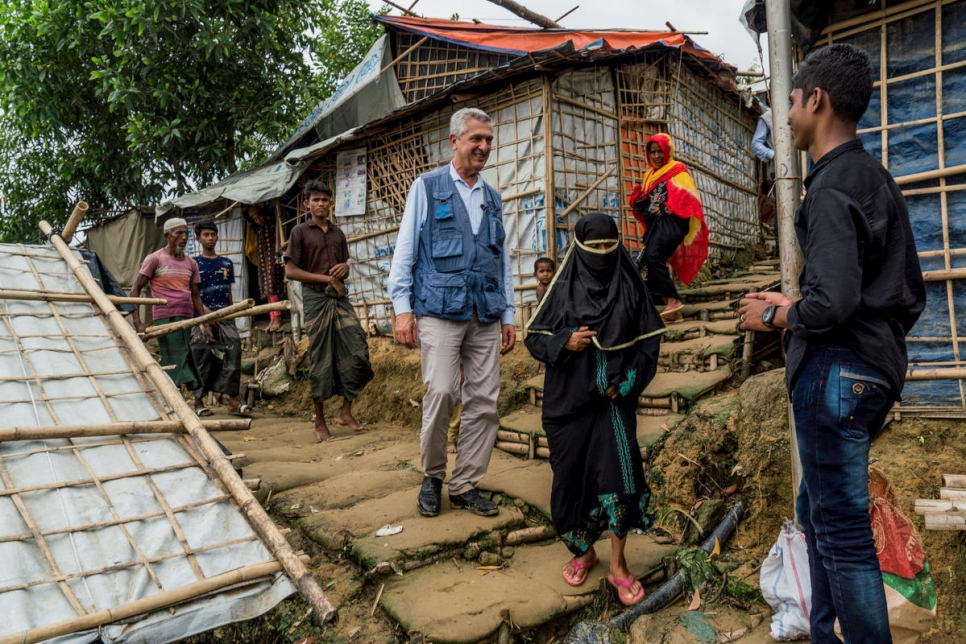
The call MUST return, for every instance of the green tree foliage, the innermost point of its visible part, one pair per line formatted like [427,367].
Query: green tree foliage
[126,102]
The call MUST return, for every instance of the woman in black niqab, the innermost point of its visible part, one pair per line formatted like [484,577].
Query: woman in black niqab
[599,335]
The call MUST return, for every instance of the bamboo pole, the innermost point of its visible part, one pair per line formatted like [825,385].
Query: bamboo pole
[155,602]
[15,294]
[526,14]
[404,54]
[945,521]
[76,217]
[941,275]
[550,189]
[927,506]
[513,448]
[249,506]
[586,193]
[220,314]
[952,493]
[226,210]
[374,233]
[954,480]
[529,535]
[512,437]
[97,525]
[116,429]
[262,308]
[950,373]
[931,174]
[12,491]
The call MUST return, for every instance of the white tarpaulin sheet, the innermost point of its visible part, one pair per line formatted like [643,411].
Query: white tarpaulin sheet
[252,186]
[366,94]
[88,524]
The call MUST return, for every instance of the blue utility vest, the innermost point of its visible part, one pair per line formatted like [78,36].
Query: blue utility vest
[456,271]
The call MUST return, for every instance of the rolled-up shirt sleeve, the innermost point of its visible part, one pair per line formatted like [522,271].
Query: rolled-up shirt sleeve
[832,281]
[400,283]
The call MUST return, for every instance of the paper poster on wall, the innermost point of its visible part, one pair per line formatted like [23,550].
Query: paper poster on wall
[350,183]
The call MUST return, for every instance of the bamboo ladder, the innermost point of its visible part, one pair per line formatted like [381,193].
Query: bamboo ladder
[219,464]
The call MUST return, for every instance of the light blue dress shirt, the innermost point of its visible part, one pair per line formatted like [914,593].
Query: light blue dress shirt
[400,283]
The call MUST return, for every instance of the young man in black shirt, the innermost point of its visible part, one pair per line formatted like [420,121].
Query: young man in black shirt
[862,290]
[218,356]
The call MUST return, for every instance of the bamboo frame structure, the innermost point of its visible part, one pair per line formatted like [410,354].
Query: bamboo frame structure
[221,314]
[949,511]
[170,399]
[16,294]
[117,429]
[148,604]
[561,124]
[931,178]
[75,219]
[260,309]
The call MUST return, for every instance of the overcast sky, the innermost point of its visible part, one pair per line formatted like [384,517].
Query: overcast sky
[726,36]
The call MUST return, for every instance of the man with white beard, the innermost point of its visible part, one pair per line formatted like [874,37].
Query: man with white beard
[174,277]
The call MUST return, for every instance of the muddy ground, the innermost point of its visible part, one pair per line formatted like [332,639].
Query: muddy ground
[733,445]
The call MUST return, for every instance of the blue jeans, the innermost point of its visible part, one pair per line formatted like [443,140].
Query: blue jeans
[840,404]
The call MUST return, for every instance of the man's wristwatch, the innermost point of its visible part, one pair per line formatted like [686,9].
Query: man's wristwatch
[768,317]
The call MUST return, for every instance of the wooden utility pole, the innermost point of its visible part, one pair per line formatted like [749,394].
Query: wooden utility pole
[787,173]
[526,14]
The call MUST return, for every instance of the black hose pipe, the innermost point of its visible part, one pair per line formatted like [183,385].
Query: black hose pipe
[675,585]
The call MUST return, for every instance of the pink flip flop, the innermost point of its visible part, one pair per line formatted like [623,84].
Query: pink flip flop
[626,582]
[575,579]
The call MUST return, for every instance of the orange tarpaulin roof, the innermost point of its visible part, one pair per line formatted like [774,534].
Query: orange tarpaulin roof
[521,40]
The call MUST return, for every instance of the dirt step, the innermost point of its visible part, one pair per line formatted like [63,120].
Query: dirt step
[347,509]
[679,388]
[667,391]
[700,309]
[288,457]
[689,329]
[524,427]
[744,277]
[731,290]
[697,354]
[457,603]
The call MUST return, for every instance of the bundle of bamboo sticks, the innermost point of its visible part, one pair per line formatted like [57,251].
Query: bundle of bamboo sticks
[948,512]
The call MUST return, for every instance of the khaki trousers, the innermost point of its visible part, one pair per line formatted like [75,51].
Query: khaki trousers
[443,345]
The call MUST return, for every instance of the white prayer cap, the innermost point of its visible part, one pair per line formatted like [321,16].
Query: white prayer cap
[171,224]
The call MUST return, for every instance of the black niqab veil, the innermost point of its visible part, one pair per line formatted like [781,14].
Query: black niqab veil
[599,289]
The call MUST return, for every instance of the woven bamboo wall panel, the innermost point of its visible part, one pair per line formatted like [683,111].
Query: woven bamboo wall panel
[712,136]
[916,125]
[426,67]
[644,99]
[585,148]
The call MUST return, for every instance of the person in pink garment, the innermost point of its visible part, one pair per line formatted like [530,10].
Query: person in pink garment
[173,276]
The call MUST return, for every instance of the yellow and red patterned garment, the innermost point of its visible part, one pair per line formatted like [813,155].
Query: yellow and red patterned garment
[682,201]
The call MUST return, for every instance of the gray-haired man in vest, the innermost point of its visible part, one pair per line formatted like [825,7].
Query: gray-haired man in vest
[452,289]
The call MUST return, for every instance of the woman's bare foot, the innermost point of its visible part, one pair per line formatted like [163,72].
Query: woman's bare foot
[274,324]
[450,448]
